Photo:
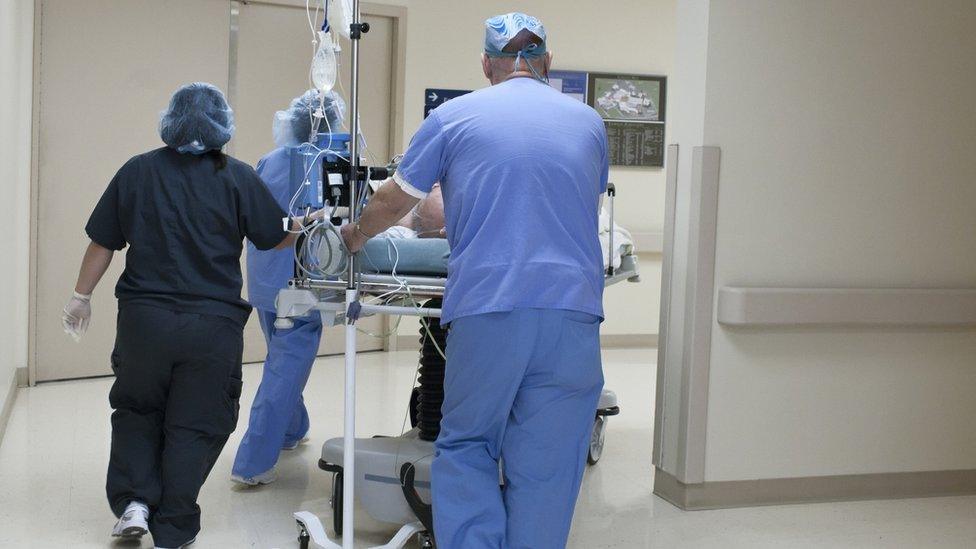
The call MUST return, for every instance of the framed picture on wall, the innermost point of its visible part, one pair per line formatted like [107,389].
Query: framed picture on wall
[633,108]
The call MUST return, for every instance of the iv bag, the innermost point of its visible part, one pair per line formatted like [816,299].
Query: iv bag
[340,16]
[324,64]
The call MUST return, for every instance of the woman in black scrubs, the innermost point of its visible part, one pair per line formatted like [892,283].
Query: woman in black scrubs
[183,210]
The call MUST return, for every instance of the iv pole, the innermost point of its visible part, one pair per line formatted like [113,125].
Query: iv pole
[352,296]
[310,527]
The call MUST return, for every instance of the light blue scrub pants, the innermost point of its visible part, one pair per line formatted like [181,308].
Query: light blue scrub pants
[521,386]
[278,415]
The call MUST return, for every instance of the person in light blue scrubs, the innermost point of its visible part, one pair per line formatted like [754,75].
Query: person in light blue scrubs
[279,419]
[522,168]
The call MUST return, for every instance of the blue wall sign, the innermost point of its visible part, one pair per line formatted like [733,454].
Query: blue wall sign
[435,97]
[572,83]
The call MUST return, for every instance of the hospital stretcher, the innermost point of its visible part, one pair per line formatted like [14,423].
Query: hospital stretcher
[391,475]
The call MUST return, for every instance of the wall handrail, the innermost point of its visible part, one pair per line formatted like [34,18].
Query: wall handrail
[911,307]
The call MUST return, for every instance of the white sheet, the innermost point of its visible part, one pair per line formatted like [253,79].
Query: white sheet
[623,242]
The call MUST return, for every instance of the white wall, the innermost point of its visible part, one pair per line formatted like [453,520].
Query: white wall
[847,132]
[16,69]
[444,41]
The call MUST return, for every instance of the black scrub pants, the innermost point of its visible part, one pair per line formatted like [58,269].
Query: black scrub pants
[176,392]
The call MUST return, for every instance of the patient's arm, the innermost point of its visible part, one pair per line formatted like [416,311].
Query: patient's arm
[427,217]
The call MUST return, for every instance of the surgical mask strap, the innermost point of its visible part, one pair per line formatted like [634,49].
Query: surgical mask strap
[535,73]
[523,54]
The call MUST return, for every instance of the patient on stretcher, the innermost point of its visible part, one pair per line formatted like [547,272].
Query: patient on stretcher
[426,220]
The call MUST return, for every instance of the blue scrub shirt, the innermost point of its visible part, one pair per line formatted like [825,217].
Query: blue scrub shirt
[269,271]
[522,167]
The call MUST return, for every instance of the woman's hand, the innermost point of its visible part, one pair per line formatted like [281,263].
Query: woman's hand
[76,315]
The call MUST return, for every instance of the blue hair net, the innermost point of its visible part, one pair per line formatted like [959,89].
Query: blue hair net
[198,119]
[500,30]
[293,126]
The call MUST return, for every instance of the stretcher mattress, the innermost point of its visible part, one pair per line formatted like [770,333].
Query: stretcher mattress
[410,256]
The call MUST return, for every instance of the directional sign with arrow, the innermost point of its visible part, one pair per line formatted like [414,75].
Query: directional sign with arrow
[435,97]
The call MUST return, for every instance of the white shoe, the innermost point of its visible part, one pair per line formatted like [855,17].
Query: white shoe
[134,522]
[266,477]
[187,544]
[295,444]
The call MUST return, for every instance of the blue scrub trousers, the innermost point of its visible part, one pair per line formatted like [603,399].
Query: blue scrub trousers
[278,414]
[522,386]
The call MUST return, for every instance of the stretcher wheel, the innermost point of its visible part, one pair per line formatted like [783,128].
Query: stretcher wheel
[337,503]
[597,437]
[303,537]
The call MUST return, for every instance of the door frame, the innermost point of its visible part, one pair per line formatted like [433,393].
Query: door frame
[397,13]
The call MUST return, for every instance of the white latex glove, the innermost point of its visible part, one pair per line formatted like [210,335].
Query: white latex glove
[77,315]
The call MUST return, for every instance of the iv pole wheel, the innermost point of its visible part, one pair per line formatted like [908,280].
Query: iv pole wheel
[425,541]
[303,536]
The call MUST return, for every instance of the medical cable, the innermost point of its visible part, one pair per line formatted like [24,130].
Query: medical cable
[404,284]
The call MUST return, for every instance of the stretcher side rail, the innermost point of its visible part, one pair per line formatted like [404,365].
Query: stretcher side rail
[304,296]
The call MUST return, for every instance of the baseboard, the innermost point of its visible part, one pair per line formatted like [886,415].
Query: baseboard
[607,341]
[23,377]
[8,402]
[783,491]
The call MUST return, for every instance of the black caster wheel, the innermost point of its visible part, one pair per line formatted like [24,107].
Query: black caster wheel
[337,503]
[303,537]
[597,437]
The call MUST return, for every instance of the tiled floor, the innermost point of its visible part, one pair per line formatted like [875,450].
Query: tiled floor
[53,458]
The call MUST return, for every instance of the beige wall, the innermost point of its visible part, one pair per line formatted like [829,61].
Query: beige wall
[16,50]
[847,133]
[444,42]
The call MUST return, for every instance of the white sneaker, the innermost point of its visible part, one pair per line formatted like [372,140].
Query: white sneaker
[134,522]
[266,477]
[187,544]
[295,444]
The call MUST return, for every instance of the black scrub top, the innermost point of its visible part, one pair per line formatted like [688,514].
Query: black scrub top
[184,221]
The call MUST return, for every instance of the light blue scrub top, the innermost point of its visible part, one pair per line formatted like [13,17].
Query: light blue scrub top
[522,167]
[269,271]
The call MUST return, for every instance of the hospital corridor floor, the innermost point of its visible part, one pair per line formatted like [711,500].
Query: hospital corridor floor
[54,456]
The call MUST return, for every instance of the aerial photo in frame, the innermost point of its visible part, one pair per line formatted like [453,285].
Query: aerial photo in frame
[628,98]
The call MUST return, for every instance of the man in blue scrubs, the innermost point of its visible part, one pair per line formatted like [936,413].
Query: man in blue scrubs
[522,168]
[279,419]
